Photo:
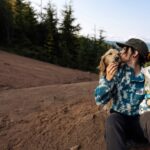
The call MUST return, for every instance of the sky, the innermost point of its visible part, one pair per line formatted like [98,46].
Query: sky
[120,19]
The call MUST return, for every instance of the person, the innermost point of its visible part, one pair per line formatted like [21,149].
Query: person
[124,121]
[145,104]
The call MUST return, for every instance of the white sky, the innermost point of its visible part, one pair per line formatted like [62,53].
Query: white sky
[121,20]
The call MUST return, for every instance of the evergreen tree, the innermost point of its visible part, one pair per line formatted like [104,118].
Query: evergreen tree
[102,45]
[83,56]
[30,23]
[6,22]
[101,36]
[52,37]
[69,39]
[18,20]
[25,23]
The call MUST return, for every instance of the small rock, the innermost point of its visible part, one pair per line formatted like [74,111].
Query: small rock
[65,110]
[76,147]
[93,116]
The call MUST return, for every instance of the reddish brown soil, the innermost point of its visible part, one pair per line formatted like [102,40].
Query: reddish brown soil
[46,107]
[22,72]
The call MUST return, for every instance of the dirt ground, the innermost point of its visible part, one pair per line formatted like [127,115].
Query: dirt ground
[21,72]
[47,107]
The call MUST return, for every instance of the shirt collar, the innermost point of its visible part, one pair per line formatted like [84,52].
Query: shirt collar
[136,78]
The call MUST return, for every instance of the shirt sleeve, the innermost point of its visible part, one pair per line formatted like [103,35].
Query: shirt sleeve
[103,91]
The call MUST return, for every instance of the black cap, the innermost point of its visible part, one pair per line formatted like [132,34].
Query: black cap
[138,45]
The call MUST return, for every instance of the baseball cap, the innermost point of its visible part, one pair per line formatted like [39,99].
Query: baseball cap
[136,44]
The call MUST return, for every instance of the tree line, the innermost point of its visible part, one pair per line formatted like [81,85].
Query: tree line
[46,38]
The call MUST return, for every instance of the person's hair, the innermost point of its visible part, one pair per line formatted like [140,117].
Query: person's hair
[141,60]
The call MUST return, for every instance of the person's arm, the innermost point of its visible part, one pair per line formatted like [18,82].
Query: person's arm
[103,91]
[106,84]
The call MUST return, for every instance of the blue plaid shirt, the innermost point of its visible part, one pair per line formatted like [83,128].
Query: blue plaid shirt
[126,89]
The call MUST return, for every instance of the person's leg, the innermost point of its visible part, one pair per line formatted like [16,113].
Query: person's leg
[115,132]
[135,133]
[145,124]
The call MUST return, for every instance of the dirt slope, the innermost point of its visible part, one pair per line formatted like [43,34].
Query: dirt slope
[55,117]
[50,117]
[21,72]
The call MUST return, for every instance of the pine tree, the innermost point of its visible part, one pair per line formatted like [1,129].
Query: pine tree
[69,41]
[25,22]
[30,22]
[83,56]
[52,38]
[6,22]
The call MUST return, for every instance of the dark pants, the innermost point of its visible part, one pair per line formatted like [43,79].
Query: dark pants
[121,128]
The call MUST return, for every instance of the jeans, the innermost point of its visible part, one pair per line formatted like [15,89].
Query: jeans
[120,128]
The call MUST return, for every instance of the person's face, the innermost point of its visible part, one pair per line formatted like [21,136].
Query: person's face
[125,54]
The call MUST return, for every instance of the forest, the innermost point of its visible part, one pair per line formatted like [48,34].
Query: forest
[45,37]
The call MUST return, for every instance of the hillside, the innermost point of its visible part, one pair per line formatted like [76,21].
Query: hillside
[38,115]
[21,72]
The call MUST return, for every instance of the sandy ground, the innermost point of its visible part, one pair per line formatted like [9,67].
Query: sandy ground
[46,107]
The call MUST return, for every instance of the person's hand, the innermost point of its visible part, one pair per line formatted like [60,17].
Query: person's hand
[111,71]
[148,102]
